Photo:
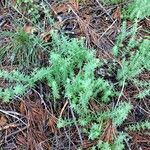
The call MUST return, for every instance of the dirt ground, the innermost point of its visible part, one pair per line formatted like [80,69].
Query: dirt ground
[30,122]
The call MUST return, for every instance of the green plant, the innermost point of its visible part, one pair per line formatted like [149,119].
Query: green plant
[77,70]
[75,81]
[136,63]
[119,114]
[145,125]
[116,145]
[95,103]
[113,1]
[119,142]
[134,56]
[137,10]
[103,145]
[144,88]
[19,2]
[129,35]
[95,131]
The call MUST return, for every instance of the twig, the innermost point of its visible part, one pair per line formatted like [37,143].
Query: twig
[11,125]
[121,92]
[74,118]
[42,100]
[144,110]
[108,29]
[62,110]
[105,10]
[7,136]
[88,31]
[12,114]
[50,6]
[70,141]
[127,143]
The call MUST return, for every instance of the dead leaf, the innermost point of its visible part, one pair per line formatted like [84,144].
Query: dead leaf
[14,1]
[95,106]
[22,107]
[75,4]
[29,29]
[63,7]
[117,14]
[59,8]
[109,132]
[46,36]
[52,123]
[3,120]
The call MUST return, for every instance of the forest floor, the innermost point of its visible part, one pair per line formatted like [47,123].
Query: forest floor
[30,121]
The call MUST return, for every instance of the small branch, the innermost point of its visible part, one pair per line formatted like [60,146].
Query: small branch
[74,118]
[121,93]
[62,110]
[105,10]
[12,114]
[107,29]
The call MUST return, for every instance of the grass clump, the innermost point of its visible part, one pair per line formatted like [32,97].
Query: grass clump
[31,7]
[23,48]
